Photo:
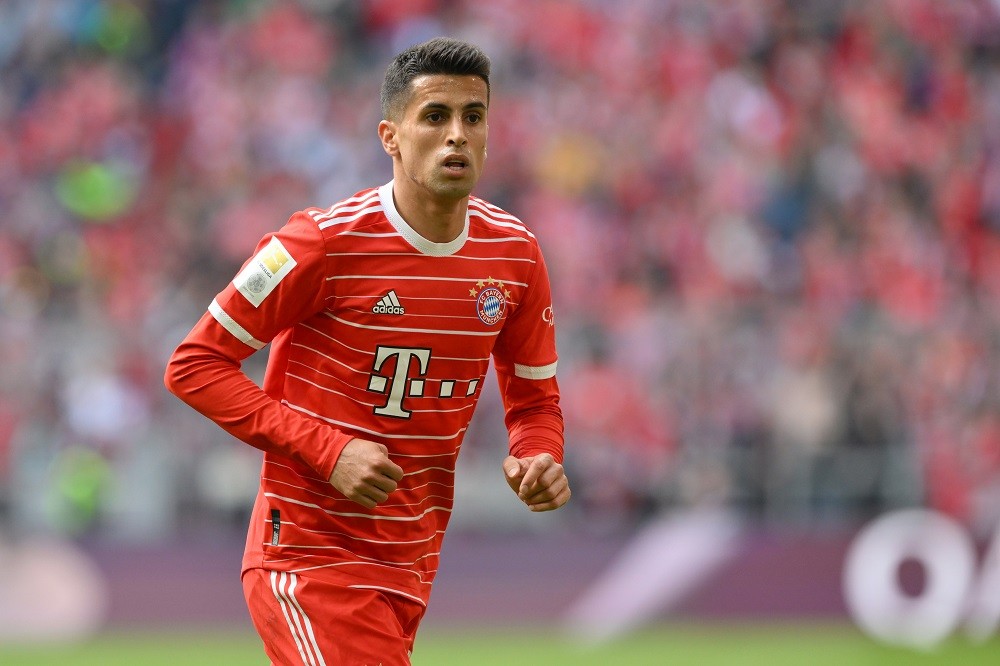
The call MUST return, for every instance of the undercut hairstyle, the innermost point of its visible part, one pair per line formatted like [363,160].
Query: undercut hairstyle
[441,55]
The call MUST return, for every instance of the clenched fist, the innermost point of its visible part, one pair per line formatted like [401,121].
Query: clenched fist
[539,481]
[365,474]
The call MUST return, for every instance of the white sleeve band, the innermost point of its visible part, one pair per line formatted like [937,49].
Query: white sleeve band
[230,325]
[535,371]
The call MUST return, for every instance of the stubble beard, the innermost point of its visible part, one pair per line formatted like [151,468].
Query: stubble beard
[443,187]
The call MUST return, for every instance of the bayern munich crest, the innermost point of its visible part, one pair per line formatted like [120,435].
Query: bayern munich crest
[491,300]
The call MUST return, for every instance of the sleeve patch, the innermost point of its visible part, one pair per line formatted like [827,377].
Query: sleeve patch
[264,272]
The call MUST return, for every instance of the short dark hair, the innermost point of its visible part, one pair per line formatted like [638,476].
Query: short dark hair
[441,55]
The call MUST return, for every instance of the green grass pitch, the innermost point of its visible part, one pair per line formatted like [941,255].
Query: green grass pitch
[706,645]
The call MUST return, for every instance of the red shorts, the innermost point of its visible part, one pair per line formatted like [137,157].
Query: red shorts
[315,623]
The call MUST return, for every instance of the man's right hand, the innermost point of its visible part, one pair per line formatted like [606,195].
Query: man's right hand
[364,473]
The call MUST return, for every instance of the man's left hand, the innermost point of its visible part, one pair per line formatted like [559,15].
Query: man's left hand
[539,481]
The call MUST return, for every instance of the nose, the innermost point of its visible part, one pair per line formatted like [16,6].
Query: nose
[456,133]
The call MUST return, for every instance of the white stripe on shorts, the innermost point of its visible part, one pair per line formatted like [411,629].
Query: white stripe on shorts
[298,621]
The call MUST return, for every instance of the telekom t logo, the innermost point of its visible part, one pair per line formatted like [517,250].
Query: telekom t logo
[397,383]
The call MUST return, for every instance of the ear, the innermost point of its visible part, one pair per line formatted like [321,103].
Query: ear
[387,134]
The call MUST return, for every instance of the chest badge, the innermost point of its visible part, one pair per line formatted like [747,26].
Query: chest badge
[491,300]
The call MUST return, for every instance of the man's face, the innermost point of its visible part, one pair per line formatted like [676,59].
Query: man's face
[440,137]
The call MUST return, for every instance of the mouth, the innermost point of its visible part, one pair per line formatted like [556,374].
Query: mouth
[456,163]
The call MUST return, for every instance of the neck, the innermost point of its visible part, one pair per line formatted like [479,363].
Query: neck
[438,219]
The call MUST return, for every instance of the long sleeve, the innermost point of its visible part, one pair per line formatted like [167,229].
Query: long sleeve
[280,286]
[525,359]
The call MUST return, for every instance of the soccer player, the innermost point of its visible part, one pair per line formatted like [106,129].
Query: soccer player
[383,311]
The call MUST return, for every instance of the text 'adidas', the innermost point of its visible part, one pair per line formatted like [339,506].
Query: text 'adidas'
[388,304]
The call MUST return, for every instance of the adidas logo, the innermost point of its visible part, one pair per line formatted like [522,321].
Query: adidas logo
[388,304]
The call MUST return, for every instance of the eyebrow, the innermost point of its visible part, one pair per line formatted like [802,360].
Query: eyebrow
[441,106]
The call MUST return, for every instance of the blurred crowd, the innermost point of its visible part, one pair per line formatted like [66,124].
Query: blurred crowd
[772,227]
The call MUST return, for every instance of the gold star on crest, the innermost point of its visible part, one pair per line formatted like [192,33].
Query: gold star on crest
[472,292]
[503,288]
[480,284]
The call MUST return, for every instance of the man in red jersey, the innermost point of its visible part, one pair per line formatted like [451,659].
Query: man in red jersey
[383,312]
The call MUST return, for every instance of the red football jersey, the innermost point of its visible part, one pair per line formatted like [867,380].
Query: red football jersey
[377,333]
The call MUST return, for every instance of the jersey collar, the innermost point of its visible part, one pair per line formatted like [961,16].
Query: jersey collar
[410,234]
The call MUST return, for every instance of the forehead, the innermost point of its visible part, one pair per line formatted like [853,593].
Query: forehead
[452,90]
